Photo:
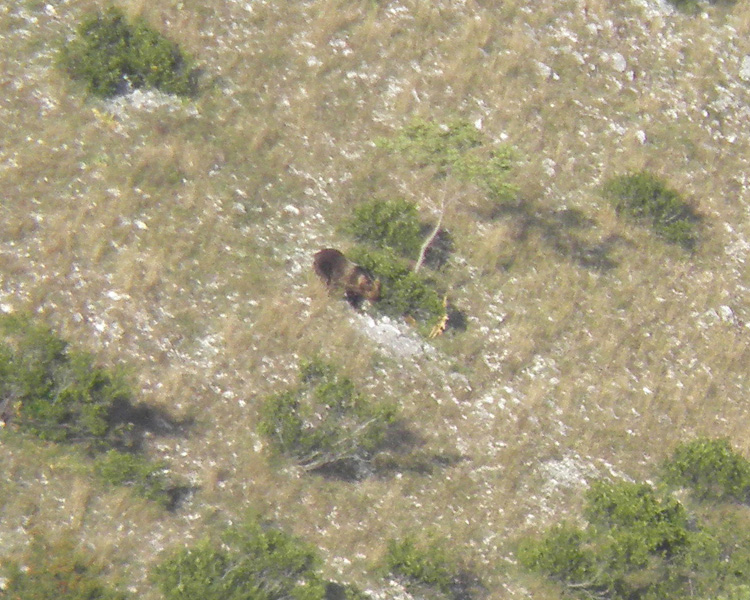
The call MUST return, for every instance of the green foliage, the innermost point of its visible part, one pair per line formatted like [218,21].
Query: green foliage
[110,53]
[711,469]
[148,479]
[388,225]
[422,564]
[560,554]
[645,198]
[55,393]
[55,572]
[325,422]
[637,545]
[252,562]
[458,149]
[404,292]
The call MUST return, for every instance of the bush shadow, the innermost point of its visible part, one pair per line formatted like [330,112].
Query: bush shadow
[567,231]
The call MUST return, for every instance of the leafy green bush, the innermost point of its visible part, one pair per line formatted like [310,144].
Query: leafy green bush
[325,422]
[645,198]
[458,149]
[251,562]
[147,478]
[388,224]
[636,545]
[55,393]
[55,572]
[109,54]
[711,469]
[404,292]
[424,564]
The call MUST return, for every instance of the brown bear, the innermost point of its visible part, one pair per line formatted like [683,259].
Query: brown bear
[338,272]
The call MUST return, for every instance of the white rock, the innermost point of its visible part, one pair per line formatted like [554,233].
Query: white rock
[619,63]
[745,68]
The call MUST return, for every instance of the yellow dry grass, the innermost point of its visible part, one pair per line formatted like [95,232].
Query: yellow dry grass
[176,238]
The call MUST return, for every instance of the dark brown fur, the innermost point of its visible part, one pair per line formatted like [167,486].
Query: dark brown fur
[338,272]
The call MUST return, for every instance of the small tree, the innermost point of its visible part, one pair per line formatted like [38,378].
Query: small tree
[325,422]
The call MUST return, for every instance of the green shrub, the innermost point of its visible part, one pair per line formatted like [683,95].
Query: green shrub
[251,562]
[388,224]
[53,392]
[561,554]
[636,546]
[404,292]
[325,422]
[646,199]
[148,479]
[55,572]
[458,149]
[423,564]
[711,469]
[109,54]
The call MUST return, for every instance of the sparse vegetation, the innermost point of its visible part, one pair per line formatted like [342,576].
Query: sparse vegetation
[647,199]
[325,423]
[55,571]
[110,55]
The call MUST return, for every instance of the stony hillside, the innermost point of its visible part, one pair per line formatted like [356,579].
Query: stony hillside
[175,238]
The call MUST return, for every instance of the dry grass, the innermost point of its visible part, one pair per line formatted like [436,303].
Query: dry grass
[176,237]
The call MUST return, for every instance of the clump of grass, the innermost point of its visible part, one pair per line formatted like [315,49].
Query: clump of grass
[647,199]
[325,422]
[711,469]
[110,55]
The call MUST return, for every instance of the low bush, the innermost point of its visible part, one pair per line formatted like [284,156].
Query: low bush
[646,199]
[388,225]
[56,393]
[638,545]
[425,565]
[711,469]
[110,54]
[404,292]
[147,478]
[250,561]
[324,422]
[55,571]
